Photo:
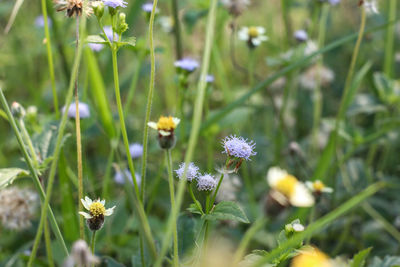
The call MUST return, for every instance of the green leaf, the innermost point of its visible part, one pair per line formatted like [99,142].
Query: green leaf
[228,210]
[194,209]
[130,41]
[96,39]
[388,261]
[8,175]
[110,262]
[360,257]
[253,257]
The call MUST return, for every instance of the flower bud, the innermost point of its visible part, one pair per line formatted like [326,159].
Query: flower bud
[98,8]
[17,110]
[122,26]
[167,141]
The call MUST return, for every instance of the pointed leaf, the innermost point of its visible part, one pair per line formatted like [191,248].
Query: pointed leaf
[228,210]
[8,175]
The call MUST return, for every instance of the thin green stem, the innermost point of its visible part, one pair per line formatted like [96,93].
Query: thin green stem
[50,59]
[149,99]
[47,240]
[93,242]
[389,44]
[196,202]
[252,63]
[197,116]
[172,195]
[28,140]
[177,29]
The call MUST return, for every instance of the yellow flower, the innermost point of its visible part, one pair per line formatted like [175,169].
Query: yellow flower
[318,187]
[165,125]
[287,187]
[95,208]
[311,258]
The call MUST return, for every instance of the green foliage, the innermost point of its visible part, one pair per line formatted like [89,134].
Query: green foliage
[8,175]
[227,210]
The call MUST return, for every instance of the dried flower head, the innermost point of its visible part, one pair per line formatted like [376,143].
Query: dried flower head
[74,7]
[191,174]
[17,207]
[97,212]
[81,256]
[316,74]
[311,257]
[84,111]
[236,7]
[254,36]
[206,182]
[286,188]
[238,147]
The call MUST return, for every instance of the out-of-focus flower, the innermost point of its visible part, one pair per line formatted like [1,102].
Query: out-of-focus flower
[109,32]
[331,2]
[187,64]
[84,111]
[73,7]
[294,227]
[136,150]
[238,147]
[115,3]
[318,187]
[210,78]
[148,7]
[165,127]
[191,174]
[316,74]
[39,21]
[166,23]
[311,47]
[97,212]
[120,177]
[17,207]
[18,110]
[236,7]
[206,182]
[301,35]
[371,7]
[96,47]
[230,185]
[254,36]
[81,256]
[288,189]
[311,257]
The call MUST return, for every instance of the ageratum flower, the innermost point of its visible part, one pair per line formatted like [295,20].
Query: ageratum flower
[96,47]
[311,257]
[206,182]
[186,64]
[148,7]
[238,147]
[286,189]
[318,187]
[331,2]
[115,3]
[254,36]
[136,150]
[120,177]
[191,174]
[84,111]
[97,212]
[39,21]
[210,78]
[301,35]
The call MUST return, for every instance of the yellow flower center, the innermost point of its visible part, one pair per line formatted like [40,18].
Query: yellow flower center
[287,185]
[96,209]
[253,32]
[166,124]
[318,186]
[311,259]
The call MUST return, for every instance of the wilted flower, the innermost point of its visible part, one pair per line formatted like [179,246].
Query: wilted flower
[236,7]
[206,182]
[96,47]
[311,257]
[39,21]
[115,3]
[84,111]
[238,147]
[17,207]
[73,7]
[301,35]
[318,187]
[120,177]
[288,189]
[254,36]
[136,150]
[191,174]
[186,64]
[148,7]
[316,74]
[81,256]
[371,7]
[97,212]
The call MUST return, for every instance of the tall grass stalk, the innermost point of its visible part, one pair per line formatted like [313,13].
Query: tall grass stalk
[390,35]
[177,29]
[196,122]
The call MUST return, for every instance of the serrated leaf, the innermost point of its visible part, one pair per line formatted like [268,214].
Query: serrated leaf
[194,209]
[360,257]
[228,210]
[96,39]
[8,175]
[130,41]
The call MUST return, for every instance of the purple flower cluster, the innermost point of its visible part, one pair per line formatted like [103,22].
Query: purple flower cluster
[121,176]
[136,150]
[115,3]
[192,172]
[84,111]
[206,182]
[187,64]
[238,147]
[331,2]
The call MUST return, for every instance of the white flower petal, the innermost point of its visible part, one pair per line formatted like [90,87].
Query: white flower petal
[109,211]
[243,34]
[327,190]
[103,202]
[301,196]
[256,41]
[261,30]
[152,124]
[164,133]
[298,227]
[86,215]
[176,121]
[274,175]
[310,185]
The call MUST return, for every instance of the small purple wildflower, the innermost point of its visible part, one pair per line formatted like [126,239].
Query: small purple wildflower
[109,32]
[148,7]
[84,111]
[120,177]
[191,174]
[96,47]
[187,64]
[206,182]
[210,78]
[238,147]
[136,150]
[331,2]
[39,21]
[115,3]
[301,35]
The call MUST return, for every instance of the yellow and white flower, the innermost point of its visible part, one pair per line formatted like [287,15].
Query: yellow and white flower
[286,186]
[96,208]
[165,125]
[254,35]
[311,257]
[318,187]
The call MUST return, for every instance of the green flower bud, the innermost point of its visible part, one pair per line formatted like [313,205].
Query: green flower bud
[17,110]
[122,26]
[98,8]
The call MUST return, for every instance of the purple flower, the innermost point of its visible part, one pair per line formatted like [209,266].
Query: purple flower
[332,2]
[96,47]
[120,177]
[136,150]
[301,35]
[148,7]
[191,174]
[206,182]
[210,78]
[39,21]
[187,64]
[115,3]
[109,32]
[84,111]
[238,147]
